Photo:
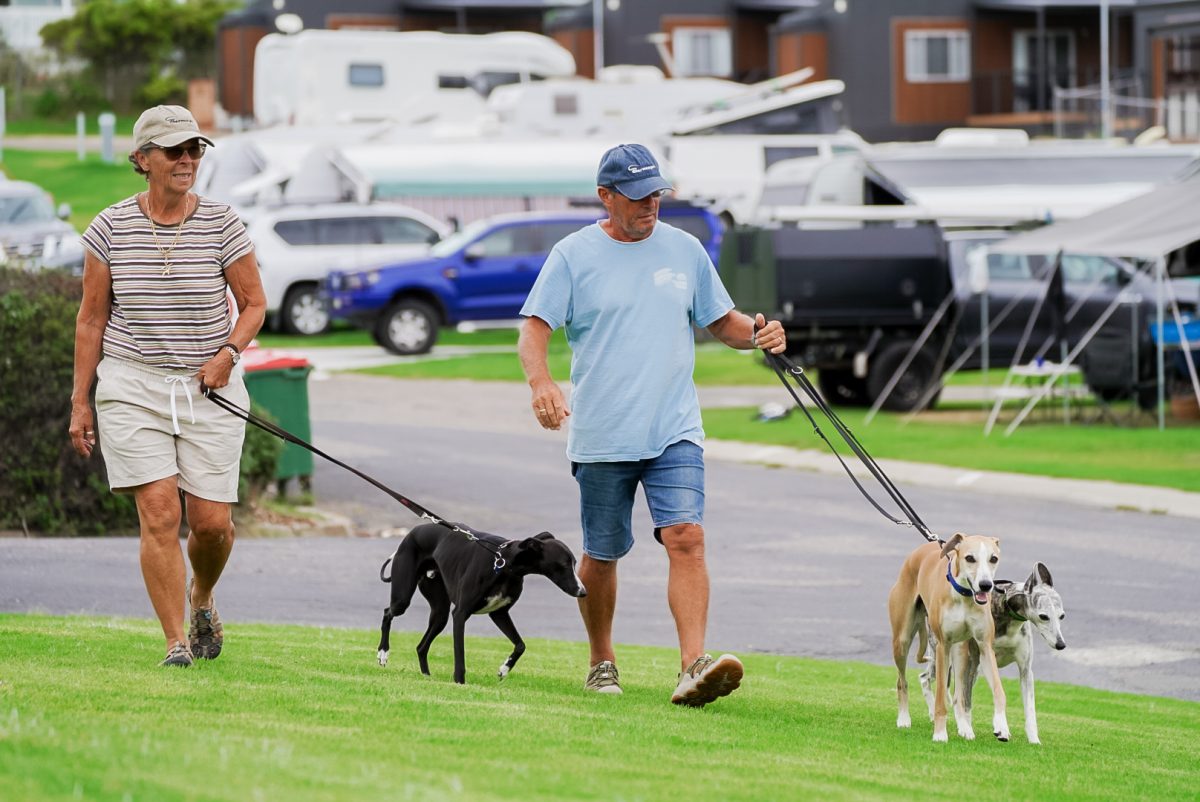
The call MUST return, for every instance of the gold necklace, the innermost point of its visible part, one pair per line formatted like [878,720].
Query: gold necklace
[166,254]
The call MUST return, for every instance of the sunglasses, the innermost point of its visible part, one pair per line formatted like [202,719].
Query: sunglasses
[175,152]
[658,193]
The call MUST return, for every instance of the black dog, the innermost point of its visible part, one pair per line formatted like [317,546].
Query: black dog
[477,577]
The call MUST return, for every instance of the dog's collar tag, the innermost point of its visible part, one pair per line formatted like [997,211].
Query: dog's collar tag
[957,587]
[500,562]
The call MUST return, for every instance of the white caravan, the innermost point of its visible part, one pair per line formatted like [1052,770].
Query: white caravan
[627,102]
[318,77]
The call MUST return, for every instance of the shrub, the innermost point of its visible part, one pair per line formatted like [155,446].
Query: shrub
[46,487]
[48,103]
[260,459]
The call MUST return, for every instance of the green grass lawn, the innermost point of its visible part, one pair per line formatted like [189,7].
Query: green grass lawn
[88,186]
[1142,455]
[715,365]
[341,337]
[306,713]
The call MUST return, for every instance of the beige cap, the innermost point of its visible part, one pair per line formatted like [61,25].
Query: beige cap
[166,126]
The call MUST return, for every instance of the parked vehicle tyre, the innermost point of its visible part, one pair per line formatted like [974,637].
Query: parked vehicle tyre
[303,311]
[407,327]
[842,388]
[906,396]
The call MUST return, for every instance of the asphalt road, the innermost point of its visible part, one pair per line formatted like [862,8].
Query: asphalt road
[800,563]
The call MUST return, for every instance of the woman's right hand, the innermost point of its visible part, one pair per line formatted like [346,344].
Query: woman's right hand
[82,430]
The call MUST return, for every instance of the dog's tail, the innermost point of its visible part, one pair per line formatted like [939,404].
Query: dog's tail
[923,645]
[383,568]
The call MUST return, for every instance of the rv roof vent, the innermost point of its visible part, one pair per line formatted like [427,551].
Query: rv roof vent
[630,74]
[981,138]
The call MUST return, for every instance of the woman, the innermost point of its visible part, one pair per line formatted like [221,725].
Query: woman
[153,327]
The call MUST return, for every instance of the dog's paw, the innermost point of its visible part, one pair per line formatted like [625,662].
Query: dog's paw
[903,721]
[940,737]
[383,657]
[1000,728]
[966,733]
[503,672]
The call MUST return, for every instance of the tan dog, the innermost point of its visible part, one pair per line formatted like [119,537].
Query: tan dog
[950,587]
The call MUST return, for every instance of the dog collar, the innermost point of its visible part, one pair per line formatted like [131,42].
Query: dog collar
[500,562]
[1016,616]
[959,589]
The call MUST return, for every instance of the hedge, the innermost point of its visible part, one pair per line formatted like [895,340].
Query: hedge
[45,487]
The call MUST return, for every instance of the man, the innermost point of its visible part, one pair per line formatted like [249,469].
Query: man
[628,291]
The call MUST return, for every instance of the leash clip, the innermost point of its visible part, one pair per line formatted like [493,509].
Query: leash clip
[470,535]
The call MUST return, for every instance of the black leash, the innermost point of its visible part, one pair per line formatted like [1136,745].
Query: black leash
[284,434]
[785,368]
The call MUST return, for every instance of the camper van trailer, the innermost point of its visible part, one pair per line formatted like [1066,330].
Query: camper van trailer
[627,102]
[317,76]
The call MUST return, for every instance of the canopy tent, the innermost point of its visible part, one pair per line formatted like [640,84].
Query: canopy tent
[1060,180]
[1150,227]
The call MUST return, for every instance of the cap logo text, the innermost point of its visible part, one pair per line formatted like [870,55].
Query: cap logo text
[633,168]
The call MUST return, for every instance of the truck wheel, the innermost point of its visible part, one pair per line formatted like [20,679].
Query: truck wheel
[304,312]
[407,327]
[842,388]
[913,384]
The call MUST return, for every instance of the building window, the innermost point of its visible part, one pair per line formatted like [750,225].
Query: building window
[702,51]
[366,75]
[932,56]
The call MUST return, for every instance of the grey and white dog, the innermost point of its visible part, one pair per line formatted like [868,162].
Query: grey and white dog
[1017,610]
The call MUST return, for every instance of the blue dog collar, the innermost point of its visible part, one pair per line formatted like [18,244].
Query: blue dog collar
[957,587]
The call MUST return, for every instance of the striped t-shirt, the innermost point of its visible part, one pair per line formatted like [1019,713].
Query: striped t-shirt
[178,319]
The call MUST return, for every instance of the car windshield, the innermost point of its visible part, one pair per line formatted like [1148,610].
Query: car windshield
[460,239]
[26,209]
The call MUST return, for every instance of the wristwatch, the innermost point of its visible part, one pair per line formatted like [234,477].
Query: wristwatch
[233,352]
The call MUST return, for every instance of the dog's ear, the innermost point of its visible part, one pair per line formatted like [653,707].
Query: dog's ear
[543,536]
[1040,576]
[530,547]
[952,544]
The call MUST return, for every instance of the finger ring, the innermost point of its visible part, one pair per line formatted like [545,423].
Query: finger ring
[541,410]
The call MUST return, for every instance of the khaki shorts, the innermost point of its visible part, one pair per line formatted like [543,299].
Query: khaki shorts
[144,440]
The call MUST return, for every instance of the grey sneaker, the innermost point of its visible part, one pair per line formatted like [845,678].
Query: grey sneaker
[603,678]
[179,655]
[206,634]
[707,680]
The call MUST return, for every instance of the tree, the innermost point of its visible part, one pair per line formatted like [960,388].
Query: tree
[127,43]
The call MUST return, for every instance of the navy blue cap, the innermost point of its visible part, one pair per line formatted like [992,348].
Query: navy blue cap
[631,170]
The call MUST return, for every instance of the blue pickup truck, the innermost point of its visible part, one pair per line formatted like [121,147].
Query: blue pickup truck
[483,272]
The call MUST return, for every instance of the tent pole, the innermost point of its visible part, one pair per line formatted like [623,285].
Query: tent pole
[1160,266]
[1106,128]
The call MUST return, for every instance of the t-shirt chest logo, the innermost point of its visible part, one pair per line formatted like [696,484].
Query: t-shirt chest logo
[669,276]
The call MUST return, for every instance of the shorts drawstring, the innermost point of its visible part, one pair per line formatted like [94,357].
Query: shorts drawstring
[175,381]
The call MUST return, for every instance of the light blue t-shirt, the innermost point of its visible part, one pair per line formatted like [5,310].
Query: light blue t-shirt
[628,309]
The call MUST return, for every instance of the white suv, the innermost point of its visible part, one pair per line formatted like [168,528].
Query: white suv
[297,246]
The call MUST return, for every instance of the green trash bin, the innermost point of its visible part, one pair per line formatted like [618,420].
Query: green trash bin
[279,383]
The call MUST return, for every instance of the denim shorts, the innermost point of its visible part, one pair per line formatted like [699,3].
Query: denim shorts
[673,483]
